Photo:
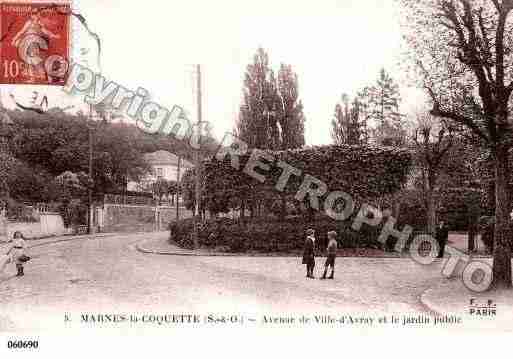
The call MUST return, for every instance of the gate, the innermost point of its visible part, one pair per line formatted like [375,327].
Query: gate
[135,214]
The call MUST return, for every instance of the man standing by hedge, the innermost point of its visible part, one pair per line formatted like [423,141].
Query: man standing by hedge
[309,253]
[442,236]
[332,254]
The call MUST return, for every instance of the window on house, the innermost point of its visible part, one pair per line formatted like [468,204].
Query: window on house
[160,172]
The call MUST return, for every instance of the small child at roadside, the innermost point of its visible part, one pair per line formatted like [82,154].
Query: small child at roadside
[332,254]
[17,252]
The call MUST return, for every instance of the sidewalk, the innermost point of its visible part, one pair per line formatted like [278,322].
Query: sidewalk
[163,246]
[451,297]
[460,242]
[57,239]
[33,243]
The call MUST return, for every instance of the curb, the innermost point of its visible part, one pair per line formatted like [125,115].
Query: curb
[70,239]
[73,238]
[427,304]
[139,247]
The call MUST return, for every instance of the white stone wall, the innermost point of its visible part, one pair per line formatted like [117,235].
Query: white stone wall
[50,224]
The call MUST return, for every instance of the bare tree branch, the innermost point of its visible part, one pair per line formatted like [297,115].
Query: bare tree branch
[436,111]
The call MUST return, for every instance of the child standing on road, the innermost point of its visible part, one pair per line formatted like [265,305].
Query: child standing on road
[309,253]
[17,252]
[332,254]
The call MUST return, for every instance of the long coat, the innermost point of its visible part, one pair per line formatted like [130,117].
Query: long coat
[309,251]
[442,234]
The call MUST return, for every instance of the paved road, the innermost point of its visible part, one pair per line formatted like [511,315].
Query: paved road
[108,275]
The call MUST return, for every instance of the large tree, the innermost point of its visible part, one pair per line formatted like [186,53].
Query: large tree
[432,141]
[381,102]
[258,116]
[349,125]
[58,142]
[463,51]
[271,114]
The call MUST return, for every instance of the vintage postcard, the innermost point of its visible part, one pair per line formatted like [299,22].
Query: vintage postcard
[183,169]
[35,43]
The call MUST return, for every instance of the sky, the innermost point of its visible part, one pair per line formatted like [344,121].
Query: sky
[334,46]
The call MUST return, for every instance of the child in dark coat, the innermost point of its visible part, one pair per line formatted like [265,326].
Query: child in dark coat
[309,253]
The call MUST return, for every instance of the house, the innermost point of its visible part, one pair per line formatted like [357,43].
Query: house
[164,166]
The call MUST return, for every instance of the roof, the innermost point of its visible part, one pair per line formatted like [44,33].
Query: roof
[165,158]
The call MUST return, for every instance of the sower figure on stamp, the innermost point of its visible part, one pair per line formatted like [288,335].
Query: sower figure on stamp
[309,253]
[332,254]
[33,33]
[442,235]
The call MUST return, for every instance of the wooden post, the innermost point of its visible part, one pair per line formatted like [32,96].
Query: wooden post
[90,190]
[178,188]
[197,161]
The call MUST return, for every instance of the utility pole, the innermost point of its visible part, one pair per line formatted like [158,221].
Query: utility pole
[196,157]
[178,189]
[93,127]
[90,189]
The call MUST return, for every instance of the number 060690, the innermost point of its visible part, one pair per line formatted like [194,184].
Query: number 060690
[22,344]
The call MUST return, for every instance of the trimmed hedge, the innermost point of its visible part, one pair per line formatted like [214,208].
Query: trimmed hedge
[268,235]
[364,172]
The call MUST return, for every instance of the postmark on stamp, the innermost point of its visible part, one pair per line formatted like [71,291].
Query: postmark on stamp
[35,42]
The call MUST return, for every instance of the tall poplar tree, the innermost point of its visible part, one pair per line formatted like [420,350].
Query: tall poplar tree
[291,118]
[271,115]
[258,116]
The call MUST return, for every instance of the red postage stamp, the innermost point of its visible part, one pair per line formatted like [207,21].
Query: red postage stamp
[35,43]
